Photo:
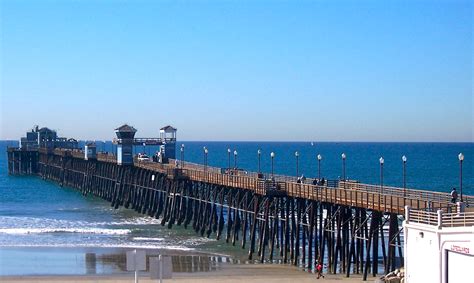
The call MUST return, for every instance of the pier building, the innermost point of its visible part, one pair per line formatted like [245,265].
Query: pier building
[45,138]
[439,246]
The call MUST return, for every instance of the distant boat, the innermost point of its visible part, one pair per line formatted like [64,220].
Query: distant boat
[312,143]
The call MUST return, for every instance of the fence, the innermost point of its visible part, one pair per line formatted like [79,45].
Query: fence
[440,218]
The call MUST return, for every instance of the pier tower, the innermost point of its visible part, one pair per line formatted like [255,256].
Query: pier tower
[125,138]
[168,141]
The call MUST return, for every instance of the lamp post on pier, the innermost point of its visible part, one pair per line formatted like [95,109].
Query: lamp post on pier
[259,152]
[228,160]
[343,156]
[320,157]
[206,151]
[182,156]
[144,144]
[382,161]
[461,159]
[297,155]
[404,159]
[272,155]
[235,159]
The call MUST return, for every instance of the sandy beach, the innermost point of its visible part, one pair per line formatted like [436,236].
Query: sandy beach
[228,273]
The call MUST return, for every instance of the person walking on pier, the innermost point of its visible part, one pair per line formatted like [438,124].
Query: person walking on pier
[319,270]
[454,195]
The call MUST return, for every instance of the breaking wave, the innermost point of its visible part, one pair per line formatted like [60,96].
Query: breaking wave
[103,231]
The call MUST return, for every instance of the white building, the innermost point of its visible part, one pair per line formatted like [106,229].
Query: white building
[439,247]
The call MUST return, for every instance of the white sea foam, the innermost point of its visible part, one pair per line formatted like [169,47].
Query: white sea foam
[134,221]
[18,222]
[148,239]
[26,231]
[98,245]
[23,231]
[195,241]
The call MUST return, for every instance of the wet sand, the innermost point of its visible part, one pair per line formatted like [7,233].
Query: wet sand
[47,261]
[109,265]
[274,273]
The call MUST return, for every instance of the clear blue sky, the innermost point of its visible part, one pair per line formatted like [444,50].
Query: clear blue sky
[240,70]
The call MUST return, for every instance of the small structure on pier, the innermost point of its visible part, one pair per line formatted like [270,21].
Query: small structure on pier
[125,138]
[168,140]
[90,151]
[45,138]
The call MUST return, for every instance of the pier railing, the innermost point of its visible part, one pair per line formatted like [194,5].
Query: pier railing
[364,196]
[240,172]
[107,157]
[352,193]
[440,218]
[411,194]
[377,197]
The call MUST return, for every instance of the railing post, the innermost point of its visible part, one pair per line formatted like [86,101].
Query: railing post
[460,207]
[407,214]
[440,219]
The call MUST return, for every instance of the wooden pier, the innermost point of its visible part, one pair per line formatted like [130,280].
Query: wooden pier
[342,224]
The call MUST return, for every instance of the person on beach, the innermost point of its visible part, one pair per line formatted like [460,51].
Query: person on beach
[319,270]
[454,195]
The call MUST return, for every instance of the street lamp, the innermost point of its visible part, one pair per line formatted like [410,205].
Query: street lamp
[272,155]
[182,156]
[320,157]
[235,159]
[343,156]
[461,158]
[206,151]
[404,159]
[228,160]
[297,155]
[259,152]
[381,160]
[144,148]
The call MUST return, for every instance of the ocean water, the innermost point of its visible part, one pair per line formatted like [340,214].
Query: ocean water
[38,214]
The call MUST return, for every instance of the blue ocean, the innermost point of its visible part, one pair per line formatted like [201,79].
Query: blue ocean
[38,217]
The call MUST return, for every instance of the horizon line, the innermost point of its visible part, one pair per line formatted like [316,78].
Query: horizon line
[276,141]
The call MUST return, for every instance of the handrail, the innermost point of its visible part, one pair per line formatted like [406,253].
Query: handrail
[440,218]
[458,219]
[407,193]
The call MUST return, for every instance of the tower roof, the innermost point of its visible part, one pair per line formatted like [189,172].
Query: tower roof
[45,129]
[126,128]
[168,128]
